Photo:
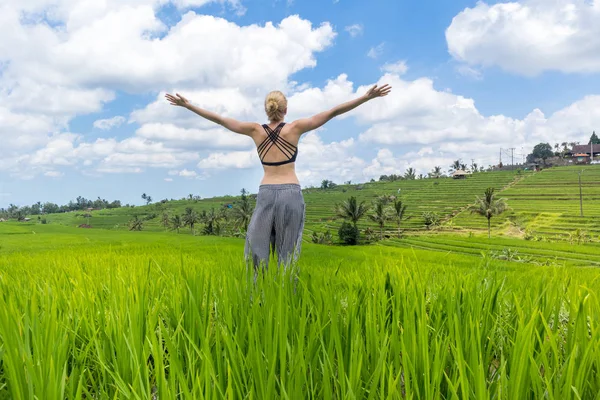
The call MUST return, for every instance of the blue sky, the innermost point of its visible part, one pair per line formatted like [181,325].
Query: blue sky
[81,109]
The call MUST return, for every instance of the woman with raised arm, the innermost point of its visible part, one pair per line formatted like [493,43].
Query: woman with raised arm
[278,219]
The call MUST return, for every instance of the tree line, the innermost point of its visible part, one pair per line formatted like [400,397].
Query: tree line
[39,208]
[389,209]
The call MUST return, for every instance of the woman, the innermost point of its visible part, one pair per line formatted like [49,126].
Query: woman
[278,220]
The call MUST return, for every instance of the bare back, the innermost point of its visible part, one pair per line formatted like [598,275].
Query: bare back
[285,173]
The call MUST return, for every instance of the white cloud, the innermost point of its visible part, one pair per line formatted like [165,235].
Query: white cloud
[442,126]
[230,160]
[177,137]
[109,123]
[529,37]
[120,50]
[354,30]
[469,72]
[184,173]
[53,174]
[64,58]
[377,51]
[168,179]
[398,67]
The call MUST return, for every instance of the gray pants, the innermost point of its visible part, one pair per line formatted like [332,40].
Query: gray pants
[277,223]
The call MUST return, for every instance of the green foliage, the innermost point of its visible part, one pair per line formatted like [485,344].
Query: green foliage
[348,233]
[322,238]
[242,211]
[191,218]
[327,184]
[431,219]
[488,206]
[176,223]
[594,139]
[136,224]
[352,210]
[381,214]
[542,151]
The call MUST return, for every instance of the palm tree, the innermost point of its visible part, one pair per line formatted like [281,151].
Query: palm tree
[165,220]
[211,221]
[455,165]
[350,209]
[242,212]
[410,173]
[380,216]
[399,213]
[488,206]
[136,224]
[436,172]
[176,223]
[190,218]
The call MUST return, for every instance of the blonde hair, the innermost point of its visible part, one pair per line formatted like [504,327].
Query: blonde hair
[276,106]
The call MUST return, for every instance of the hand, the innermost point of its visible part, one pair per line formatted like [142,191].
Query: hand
[378,91]
[177,101]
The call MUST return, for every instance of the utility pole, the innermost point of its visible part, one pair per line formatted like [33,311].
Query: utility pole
[512,157]
[500,156]
[580,196]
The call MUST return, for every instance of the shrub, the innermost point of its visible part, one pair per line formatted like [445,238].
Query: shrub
[431,219]
[348,233]
[322,238]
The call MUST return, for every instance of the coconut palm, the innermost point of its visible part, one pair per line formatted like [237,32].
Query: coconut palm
[242,211]
[176,223]
[190,218]
[488,206]
[399,213]
[436,172]
[380,216]
[455,166]
[410,173]
[165,220]
[211,221]
[350,209]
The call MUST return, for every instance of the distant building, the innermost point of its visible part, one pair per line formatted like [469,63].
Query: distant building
[584,153]
[459,174]
[2,220]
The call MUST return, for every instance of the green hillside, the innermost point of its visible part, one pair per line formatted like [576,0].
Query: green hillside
[544,203]
[444,196]
[547,203]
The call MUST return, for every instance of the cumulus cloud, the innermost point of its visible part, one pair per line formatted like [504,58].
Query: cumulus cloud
[529,36]
[109,123]
[398,67]
[443,126]
[63,58]
[354,30]
[230,160]
[184,173]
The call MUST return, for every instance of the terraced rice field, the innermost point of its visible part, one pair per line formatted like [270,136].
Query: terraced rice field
[444,196]
[548,203]
[558,253]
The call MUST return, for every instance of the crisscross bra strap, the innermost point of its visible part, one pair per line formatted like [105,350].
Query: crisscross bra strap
[274,139]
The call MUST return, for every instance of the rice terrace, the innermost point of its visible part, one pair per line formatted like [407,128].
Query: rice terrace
[294,199]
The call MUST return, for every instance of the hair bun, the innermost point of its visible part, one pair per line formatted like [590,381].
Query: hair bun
[272,105]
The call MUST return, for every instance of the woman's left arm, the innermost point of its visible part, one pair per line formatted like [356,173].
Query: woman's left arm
[244,128]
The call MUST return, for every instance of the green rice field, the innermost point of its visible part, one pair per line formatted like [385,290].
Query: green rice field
[99,314]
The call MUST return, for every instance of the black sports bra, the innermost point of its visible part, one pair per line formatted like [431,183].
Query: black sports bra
[273,138]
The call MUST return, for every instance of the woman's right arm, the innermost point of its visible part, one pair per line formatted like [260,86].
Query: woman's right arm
[308,124]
